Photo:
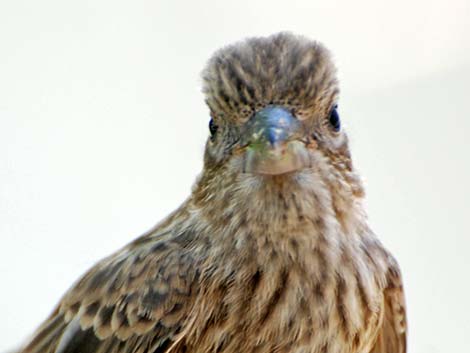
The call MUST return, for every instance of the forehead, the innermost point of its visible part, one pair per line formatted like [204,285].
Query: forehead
[282,69]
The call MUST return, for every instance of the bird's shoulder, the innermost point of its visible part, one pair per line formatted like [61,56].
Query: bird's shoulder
[392,333]
[147,282]
[140,295]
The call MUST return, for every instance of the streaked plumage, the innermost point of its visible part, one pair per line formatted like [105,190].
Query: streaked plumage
[250,262]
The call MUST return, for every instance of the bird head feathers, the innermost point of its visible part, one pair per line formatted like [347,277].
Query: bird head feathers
[274,127]
[282,69]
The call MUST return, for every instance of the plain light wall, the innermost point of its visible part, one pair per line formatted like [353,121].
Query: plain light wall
[102,129]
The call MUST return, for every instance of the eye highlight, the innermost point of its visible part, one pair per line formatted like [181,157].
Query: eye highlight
[212,128]
[334,119]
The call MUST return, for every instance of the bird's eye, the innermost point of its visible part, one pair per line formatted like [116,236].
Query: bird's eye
[212,128]
[334,120]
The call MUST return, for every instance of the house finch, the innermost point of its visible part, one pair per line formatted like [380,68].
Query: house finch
[271,252]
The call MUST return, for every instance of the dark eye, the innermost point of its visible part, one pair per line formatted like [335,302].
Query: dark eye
[334,120]
[212,127]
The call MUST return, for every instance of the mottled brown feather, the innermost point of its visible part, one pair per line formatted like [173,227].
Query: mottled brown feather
[393,333]
[141,294]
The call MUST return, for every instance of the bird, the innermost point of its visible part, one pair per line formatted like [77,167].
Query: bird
[271,252]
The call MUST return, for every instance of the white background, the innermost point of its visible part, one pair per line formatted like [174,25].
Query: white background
[102,128]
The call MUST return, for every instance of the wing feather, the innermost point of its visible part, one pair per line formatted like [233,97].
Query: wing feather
[392,335]
[135,300]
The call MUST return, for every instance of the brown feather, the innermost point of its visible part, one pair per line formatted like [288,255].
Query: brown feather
[392,335]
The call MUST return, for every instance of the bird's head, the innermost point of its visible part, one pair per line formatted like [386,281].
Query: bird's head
[274,114]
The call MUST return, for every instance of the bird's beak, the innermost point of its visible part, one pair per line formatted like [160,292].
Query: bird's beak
[272,143]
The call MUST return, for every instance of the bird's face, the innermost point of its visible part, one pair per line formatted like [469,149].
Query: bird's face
[275,125]
[275,140]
